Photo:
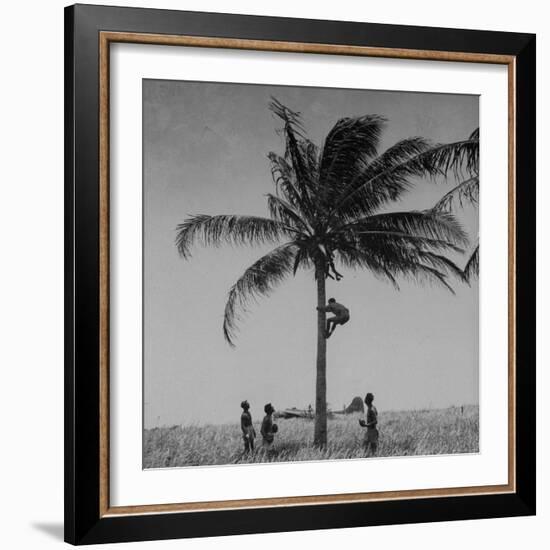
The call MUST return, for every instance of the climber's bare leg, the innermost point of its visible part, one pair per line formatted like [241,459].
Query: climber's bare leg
[331,326]
[328,330]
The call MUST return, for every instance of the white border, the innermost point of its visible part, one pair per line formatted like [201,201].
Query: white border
[129,484]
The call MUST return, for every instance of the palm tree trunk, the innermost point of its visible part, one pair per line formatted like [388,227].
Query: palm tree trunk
[320,432]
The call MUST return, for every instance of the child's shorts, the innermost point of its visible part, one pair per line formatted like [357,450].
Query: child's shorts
[371,436]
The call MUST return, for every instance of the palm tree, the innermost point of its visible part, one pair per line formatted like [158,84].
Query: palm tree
[461,159]
[327,210]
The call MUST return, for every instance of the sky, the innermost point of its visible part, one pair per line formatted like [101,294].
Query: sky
[205,149]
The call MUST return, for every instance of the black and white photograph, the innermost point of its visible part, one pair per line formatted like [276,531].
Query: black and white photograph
[310,274]
[275,275]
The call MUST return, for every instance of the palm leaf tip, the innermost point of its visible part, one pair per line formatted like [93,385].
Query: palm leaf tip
[440,277]
[294,118]
[471,269]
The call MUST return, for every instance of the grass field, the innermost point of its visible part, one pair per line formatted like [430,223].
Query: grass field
[402,433]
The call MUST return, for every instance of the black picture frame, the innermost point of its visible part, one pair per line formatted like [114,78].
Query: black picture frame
[84,524]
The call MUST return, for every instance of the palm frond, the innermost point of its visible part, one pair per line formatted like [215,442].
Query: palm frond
[310,154]
[423,273]
[258,280]
[383,180]
[407,244]
[455,158]
[290,117]
[391,262]
[281,210]
[442,264]
[471,269]
[405,239]
[214,230]
[296,144]
[353,257]
[465,192]
[413,263]
[286,185]
[302,259]
[284,177]
[432,224]
[433,161]
[348,147]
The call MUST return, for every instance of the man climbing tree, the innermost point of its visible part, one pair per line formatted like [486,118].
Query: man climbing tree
[341,315]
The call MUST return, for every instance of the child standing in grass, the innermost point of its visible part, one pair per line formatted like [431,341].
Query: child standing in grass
[370,441]
[247,428]
[268,428]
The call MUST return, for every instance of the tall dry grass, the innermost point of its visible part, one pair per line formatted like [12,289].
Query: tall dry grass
[402,433]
